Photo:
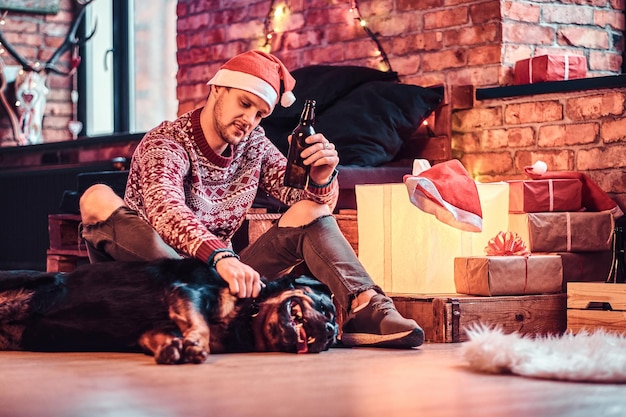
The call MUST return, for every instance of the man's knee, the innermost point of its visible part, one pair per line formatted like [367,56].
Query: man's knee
[302,213]
[97,203]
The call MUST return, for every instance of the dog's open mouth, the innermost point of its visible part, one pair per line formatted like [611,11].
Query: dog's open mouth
[297,321]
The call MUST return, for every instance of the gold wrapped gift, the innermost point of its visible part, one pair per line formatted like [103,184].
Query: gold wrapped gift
[508,275]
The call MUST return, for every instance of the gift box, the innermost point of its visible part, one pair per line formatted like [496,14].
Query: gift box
[508,275]
[585,266]
[564,231]
[550,68]
[533,196]
[406,250]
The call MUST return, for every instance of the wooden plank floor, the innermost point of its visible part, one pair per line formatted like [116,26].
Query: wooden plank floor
[429,381]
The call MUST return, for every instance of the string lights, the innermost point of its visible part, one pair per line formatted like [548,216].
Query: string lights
[278,13]
[354,9]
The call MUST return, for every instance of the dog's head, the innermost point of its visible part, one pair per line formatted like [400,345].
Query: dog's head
[295,314]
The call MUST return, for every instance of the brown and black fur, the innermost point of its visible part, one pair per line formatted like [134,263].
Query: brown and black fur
[177,310]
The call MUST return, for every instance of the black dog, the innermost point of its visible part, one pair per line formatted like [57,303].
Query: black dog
[177,310]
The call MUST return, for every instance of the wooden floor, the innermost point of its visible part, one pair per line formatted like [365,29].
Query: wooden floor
[429,381]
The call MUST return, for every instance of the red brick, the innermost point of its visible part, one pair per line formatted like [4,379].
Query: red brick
[556,136]
[484,55]
[605,61]
[423,4]
[466,142]
[436,61]
[594,106]
[485,12]
[523,12]
[474,35]
[601,158]
[613,18]
[582,37]
[614,131]
[533,112]
[566,14]
[446,18]
[476,118]
[525,33]
[507,138]
[611,181]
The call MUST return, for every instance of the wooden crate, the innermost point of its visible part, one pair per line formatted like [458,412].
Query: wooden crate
[593,305]
[67,250]
[259,221]
[444,317]
[63,232]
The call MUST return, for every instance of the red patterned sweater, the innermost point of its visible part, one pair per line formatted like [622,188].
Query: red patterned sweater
[196,199]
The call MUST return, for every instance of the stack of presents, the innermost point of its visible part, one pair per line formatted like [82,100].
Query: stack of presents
[451,235]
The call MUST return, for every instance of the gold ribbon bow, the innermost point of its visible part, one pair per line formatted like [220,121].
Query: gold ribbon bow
[506,244]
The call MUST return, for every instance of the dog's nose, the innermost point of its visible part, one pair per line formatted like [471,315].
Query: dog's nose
[331,331]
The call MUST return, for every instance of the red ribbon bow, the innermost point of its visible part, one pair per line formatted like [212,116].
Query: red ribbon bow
[506,244]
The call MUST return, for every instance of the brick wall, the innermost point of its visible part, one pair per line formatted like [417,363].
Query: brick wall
[579,131]
[36,37]
[470,42]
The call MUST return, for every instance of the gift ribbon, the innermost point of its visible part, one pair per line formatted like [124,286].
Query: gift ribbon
[506,244]
[526,274]
[551,194]
[568,218]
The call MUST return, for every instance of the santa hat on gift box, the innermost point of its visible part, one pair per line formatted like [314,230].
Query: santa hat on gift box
[593,197]
[446,191]
[258,73]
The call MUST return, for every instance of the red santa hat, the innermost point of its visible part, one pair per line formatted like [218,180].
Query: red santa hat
[446,191]
[258,73]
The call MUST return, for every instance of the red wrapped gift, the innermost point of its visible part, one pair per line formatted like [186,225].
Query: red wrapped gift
[585,266]
[565,231]
[550,68]
[534,196]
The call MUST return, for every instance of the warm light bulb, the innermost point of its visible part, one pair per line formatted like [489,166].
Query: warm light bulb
[362,22]
[279,11]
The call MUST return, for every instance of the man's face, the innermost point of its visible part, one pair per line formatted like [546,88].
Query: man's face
[237,112]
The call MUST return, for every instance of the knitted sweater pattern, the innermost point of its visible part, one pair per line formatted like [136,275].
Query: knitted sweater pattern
[195,199]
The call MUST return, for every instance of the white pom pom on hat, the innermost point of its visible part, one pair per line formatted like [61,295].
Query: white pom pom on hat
[258,73]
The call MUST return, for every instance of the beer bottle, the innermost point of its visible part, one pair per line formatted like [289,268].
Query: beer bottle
[296,173]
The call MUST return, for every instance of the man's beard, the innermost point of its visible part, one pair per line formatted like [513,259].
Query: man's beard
[224,128]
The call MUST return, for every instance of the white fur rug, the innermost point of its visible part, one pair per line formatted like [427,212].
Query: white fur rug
[596,356]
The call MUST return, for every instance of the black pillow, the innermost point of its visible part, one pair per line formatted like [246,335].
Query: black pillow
[369,125]
[323,83]
[366,113]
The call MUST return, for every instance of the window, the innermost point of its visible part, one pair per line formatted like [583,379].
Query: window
[129,80]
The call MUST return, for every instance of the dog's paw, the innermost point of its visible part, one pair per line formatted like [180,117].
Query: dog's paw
[195,351]
[171,353]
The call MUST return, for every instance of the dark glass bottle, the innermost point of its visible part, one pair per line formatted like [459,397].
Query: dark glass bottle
[296,173]
[618,272]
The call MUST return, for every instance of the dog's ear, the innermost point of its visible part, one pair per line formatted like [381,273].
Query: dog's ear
[306,281]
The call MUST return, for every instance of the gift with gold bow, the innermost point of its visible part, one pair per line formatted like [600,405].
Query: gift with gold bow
[508,268]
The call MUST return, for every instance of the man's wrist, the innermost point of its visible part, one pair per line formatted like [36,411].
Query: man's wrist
[327,183]
[218,254]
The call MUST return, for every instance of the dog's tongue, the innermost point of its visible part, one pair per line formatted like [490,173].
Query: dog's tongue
[302,345]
